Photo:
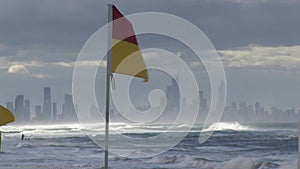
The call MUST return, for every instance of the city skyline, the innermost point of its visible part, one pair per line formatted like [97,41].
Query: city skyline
[48,112]
[51,111]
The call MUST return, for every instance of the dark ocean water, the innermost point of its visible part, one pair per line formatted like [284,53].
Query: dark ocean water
[232,146]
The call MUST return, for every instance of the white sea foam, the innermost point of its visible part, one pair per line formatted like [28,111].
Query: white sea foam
[289,165]
[235,163]
[184,162]
[10,129]
[188,161]
[24,145]
[220,126]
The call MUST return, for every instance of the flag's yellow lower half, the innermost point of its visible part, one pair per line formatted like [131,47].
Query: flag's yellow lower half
[5,116]
[127,59]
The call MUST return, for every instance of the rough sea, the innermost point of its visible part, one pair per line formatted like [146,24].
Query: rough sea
[232,146]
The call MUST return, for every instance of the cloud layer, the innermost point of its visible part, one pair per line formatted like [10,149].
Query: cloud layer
[18,69]
[40,40]
[285,58]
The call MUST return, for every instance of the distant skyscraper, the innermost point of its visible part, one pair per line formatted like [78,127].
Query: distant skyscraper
[233,106]
[221,92]
[201,94]
[68,109]
[47,113]
[38,113]
[54,118]
[10,106]
[176,95]
[173,96]
[203,102]
[242,106]
[94,112]
[169,98]
[19,107]
[26,115]
[257,108]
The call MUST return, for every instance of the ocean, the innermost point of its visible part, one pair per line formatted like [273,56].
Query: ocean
[232,146]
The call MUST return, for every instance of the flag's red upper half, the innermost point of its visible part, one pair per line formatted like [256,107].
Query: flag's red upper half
[122,28]
[127,58]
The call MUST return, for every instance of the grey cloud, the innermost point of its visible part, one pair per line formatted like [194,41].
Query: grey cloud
[50,33]
[283,58]
[227,24]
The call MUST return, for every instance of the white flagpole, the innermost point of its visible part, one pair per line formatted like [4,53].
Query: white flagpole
[298,145]
[0,145]
[108,75]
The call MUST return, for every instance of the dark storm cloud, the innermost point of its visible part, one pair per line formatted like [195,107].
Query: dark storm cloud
[50,22]
[47,31]
[55,30]
[234,23]
[67,24]
[46,36]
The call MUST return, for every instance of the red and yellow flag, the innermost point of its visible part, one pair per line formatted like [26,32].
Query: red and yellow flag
[5,116]
[126,56]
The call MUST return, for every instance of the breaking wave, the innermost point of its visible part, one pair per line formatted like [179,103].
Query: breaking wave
[202,163]
[221,126]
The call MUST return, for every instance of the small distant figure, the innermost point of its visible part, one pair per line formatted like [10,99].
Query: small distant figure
[24,138]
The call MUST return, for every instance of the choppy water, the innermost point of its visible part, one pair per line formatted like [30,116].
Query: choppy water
[232,146]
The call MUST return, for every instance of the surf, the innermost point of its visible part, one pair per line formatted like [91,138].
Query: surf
[223,126]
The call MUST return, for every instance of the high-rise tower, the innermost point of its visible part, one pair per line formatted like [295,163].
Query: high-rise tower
[26,115]
[19,107]
[47,113]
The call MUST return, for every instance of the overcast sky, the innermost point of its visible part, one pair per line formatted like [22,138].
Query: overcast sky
[257,40]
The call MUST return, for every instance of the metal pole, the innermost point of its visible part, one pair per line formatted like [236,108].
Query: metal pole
[108,75]
[0,143]
[0,146]
[298,145]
